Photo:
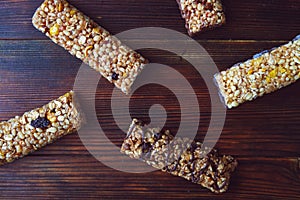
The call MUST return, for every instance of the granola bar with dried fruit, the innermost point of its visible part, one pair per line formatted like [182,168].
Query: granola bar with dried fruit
[24,134]
[266,72]
[82,37]
[179,156]
[201,15]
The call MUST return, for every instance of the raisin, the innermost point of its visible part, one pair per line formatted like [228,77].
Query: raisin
[40,122]
[157,136]
[126,146]
[173,167]
[146,147]
[194,146]
[195,179]
[115,76]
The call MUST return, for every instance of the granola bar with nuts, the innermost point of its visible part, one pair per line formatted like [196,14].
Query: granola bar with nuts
[24,134]
[179,156]
[82,37]
[200,15]
[266,72]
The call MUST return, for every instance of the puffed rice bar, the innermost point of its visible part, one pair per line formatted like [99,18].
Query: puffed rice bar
[266,72]
[82,37]
[200,15]
[179,156]
[20,136]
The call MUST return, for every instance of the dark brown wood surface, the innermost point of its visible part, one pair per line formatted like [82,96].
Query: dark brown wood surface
[263,135]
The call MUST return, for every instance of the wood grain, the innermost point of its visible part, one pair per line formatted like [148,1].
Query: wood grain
[263,135]
[252,20]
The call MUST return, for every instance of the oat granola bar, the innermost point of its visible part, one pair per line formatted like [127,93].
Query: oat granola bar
[20,136]
[82,37]
[200,15]
[179,156]
[266,72]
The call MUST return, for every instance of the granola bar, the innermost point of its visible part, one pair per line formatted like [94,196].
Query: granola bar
[200,15]
[179,156]
[266,72]
[20,136]
[82,37]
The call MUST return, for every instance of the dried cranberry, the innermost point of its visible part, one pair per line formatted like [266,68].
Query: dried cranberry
[40,122]
[209,6]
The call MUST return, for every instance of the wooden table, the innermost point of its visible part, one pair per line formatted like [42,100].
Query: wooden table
[263,135]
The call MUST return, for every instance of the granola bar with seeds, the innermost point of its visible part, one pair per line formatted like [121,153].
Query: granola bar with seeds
[266,72]
[201,15]
[179,156]
[24,134]
[66,26]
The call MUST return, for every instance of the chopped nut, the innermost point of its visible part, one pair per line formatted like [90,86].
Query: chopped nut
[97,38]
[58,103]
[21,136]
[18,149]
[248,96]
[8,137]
[281,61]
[61,118]
[52,130]
[82,40]
[297,60]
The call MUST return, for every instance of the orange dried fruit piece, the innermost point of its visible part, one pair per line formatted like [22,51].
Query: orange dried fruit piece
[96,30]
[72,12]
[273,73]
[51,117]
[87,49]
[250,72]
[282,70]
[60,7]
[54,30]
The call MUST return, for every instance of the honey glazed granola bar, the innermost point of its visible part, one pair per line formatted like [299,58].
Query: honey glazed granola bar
[179,156]
[266,72]
[82,37]
[201,15]
[24,134]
